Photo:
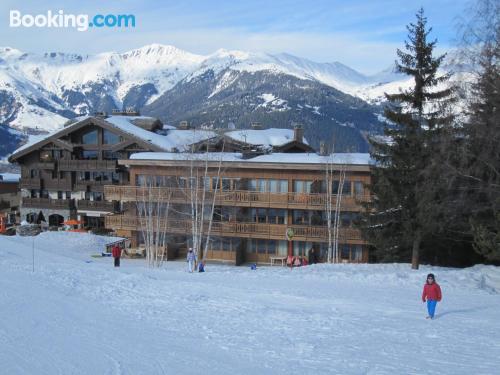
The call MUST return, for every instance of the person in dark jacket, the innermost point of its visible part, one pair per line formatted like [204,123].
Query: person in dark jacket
[116,251]
[313,257]
[431,295]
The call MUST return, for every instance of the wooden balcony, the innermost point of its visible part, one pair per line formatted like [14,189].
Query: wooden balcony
[62,204]
[238,229]
[30,183]
[104,206]
[45,165]
[87,165]
[92,185]
[239,198]
[58,184]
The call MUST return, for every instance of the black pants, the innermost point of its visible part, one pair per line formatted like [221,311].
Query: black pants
[117,262]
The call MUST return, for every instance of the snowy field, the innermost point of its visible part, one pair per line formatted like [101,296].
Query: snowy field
[78,315]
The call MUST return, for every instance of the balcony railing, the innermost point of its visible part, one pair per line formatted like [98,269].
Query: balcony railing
[65,204]
[239,198]
[236,229]
[82,185]
[87,165]
[58,184]
[87,205]
[30,183]
[45,165]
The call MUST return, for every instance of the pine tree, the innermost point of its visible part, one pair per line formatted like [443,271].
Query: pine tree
[481,172]
[398,217]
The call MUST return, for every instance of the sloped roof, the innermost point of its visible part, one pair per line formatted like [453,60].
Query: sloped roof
[269,138]
[174,140]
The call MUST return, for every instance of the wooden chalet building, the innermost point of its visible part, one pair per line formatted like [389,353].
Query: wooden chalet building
[259,198]
[64,174]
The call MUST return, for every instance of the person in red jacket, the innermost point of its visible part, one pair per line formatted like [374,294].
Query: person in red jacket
[431,295]
[116,251]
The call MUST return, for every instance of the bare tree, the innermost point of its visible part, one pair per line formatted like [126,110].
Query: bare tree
[201,199]
[153,209]
[333,211]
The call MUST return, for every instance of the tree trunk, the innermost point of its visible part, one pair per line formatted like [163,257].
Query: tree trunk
[415,261]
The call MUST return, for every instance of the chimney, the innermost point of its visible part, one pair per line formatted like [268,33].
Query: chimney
[323,151]
[101,114]
[183,125]
[298,133]
[129,111]
[256,126]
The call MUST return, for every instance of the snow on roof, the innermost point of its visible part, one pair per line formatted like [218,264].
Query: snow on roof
[290,158]
[174,139]
[185,156]
[10,177]
[271,137]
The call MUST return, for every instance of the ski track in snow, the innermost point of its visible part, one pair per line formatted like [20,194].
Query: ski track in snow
[78,315]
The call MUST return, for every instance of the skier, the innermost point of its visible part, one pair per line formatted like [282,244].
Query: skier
[191,258]
[431,294]
[116,251]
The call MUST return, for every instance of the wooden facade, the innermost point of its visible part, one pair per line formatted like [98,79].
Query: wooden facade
[252,216]
[63,176]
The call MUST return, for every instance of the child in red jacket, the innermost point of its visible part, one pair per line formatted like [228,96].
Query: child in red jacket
[431,294]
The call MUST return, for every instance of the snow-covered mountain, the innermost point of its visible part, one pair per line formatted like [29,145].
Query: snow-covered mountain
[41,91]
[62,81]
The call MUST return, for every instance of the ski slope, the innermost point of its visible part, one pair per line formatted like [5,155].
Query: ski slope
[78,315]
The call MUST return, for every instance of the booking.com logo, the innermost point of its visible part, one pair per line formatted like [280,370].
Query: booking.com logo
[79,21]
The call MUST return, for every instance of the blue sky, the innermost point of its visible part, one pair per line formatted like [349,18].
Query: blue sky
[360,33]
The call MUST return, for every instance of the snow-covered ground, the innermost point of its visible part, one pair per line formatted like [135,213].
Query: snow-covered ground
[78,315]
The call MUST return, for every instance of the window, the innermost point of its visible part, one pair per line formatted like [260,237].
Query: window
[33,173]
[261,184]
[358,188]
[283,186]
[271,247]
[346,188]
[301,248]
[225,184]
[110,138]
[300,217]
[345,219]
[90,155]
[301,186]
[259,215]
[252,185]
[345,252]
[90,138]
[273,186]
[59,195]
[45,155]
[357,252]
[276,216]
[226,245]
[110,155]
[115,177]
[57,154]
[68,195]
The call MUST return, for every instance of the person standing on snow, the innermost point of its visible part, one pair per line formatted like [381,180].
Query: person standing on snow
[431,294]
[190,258]
[116,251]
